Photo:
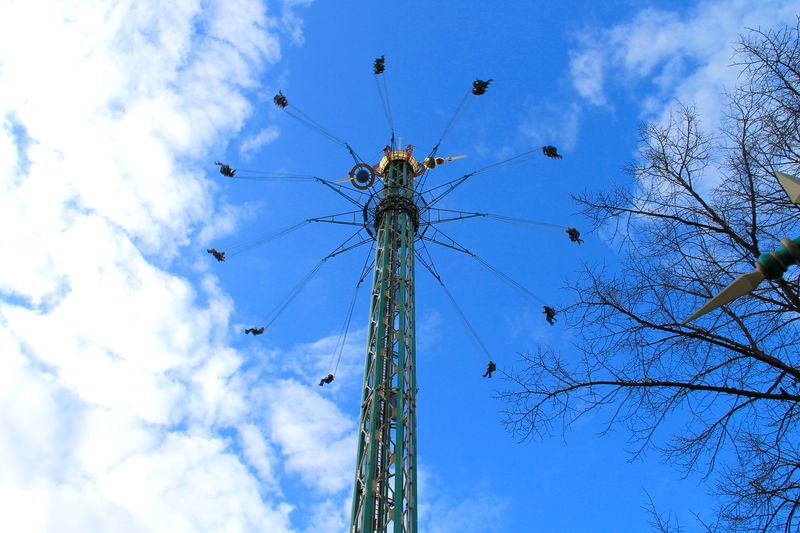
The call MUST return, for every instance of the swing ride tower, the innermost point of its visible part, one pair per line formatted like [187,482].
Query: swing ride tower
[398,215]
[384,492]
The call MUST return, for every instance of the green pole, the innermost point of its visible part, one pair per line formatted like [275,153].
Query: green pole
[384,492]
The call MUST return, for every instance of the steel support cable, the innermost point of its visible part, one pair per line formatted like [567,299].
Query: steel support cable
[273,315]
[508,279]
[265,175]
[464,215]
[275,177]
[245,246]
[269,173]
[309,122]
[429,263]
[368,266]
[472,214]
[453,245]
[457,114]
[465,103]
[342,340]
[510,161]
[466,323]
[270,317]
[525,221]
[453,184]
[383,92]
[339,189]
[430,267]
[388,104]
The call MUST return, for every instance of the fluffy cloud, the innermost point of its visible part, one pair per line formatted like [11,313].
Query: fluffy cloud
[552,123]
[265,136]
[683,56]
[299,420]
[122,405]
[587,69]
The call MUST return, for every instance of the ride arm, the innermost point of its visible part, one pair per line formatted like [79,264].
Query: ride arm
[348,244]
[427,262]
[443,240]
[349,218]
[450,186]
[339,189]
[452,214]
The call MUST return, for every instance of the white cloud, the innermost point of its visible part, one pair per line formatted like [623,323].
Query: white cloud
[265,136]
[224,497]
[259,453]
[552,123]
[300,419]
[587,68]
[477,513]
[329,517]
[117,384]
[293,24]
[315,360]
[430,325]
[680,56]
[227,218]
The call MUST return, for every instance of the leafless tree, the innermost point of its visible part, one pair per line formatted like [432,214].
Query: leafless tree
[700,210]
[661,522]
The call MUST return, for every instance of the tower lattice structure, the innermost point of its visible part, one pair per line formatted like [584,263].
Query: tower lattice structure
[385,488]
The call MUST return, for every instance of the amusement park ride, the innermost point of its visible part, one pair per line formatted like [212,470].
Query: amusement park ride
[399,217]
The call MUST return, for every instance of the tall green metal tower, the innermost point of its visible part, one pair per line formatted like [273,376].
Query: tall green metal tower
[385,489]
[385,485]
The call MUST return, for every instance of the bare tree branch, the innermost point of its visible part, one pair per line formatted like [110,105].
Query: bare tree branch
[701,208]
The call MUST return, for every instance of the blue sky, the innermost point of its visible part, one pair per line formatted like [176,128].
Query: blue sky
[131,401]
